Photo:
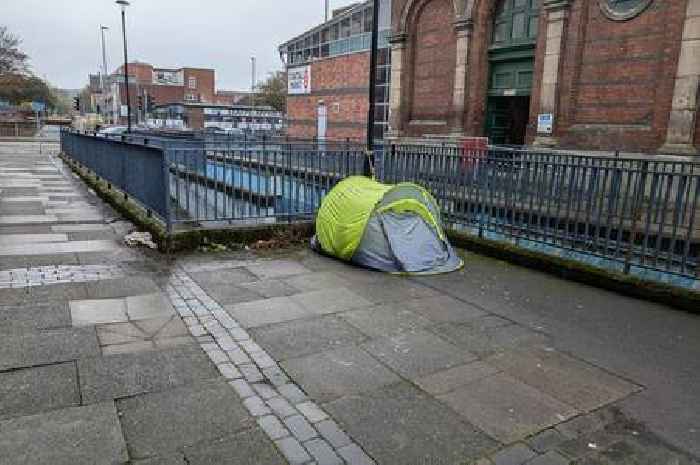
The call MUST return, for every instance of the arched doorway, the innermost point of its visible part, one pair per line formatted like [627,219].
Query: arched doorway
[511,69]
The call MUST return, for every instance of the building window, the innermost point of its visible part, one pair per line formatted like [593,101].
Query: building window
[192,83]
[515,22]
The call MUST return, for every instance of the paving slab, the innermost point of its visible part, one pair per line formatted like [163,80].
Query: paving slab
[267,311]
[450,379]
[267,288]
[575,382]
[57,248]
[38,389]
[149,306]
[399,425]
[165,422]
[89,435]
[229,294]
[248,447]
[444,309]
[384,320]
[55,293]
[232,276]
[70,228]
[327,301]
[92,312]
[417,353]
[117,376]
[32,229]
[336,373]
[395,289]
[27,219]
[28,349]
[38,316]
[277,269]
[488,340]
[122,287]
[316,281]
[304,337]
[176,458]
[14,239]
[507,409]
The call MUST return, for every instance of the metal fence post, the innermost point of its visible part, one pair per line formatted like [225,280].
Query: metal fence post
[637,201]
[166,193]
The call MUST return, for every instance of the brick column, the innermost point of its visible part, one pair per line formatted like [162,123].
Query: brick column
[398,87]
[463,29]
[557,12]
[681,121]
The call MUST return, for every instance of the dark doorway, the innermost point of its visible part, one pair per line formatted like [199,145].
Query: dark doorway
[506,120]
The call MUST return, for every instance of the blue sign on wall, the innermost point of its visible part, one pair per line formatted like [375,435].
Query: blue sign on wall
[38,106]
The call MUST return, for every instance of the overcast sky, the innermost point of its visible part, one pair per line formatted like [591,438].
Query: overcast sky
[63,40]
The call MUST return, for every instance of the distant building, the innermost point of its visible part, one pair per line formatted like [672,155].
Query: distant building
[213,116]
[328,75]
[164,91]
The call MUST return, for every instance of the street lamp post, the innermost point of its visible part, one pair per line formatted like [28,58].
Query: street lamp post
[103,79]
[123,4]
[372,88]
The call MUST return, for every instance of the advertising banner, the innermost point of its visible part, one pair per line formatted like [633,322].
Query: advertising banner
[299,80]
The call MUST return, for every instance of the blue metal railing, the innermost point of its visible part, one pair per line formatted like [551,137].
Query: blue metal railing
[636,215]
[210,181]
[629,214]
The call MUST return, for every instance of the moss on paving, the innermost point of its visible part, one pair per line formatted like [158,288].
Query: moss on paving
[674,296]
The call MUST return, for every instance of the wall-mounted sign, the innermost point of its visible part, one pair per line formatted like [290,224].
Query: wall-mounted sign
[299,80]
[545,123]
[125,110]
[622,10]
[38,106]
[168,78]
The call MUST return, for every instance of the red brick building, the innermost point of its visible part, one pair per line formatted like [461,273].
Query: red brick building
[159,86]
[592,74]
[328,76]
[585,74]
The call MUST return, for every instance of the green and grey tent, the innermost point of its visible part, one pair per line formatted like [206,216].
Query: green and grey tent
[392,228]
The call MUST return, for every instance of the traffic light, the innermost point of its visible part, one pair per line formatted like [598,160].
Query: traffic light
[76,103]
[140,102]
[150,103]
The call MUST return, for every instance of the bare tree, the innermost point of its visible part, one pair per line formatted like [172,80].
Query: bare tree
[273,91]
[12,59]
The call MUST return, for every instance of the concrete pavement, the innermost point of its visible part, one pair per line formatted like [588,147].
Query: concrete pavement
[116,355]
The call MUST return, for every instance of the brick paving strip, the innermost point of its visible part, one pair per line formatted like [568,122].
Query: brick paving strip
[301,430]
[58,274]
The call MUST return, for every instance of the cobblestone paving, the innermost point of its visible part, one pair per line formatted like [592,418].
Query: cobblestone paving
[301,429]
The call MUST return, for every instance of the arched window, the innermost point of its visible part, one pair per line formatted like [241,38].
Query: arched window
[515,23]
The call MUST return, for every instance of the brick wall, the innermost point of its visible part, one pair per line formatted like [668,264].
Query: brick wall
[341,83]
[615,84]
[618,77]
[205,83]
[143,72]
[432,49]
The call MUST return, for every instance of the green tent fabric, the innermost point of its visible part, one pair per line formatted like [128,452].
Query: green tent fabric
[394,228]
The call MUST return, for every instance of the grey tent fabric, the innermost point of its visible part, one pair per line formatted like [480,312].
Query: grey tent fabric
[404,242]
[374,251]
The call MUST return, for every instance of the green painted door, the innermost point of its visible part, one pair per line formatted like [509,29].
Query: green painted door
[511,68]
[497,126]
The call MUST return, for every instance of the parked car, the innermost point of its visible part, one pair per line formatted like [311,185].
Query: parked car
[111,131]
